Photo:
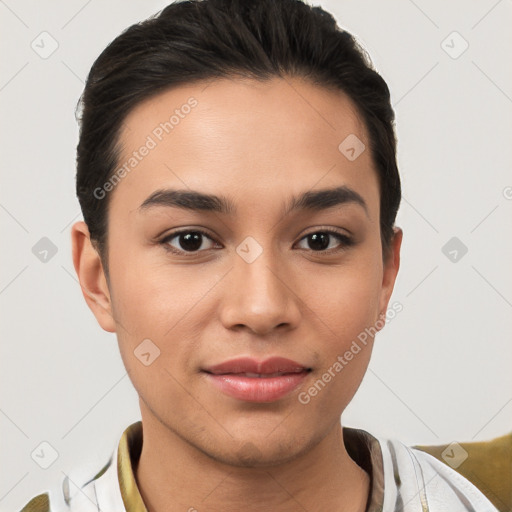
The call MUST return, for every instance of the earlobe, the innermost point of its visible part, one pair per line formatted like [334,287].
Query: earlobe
[390,270]
[91,276]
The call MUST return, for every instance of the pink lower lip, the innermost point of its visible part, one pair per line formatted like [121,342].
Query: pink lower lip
[254,389]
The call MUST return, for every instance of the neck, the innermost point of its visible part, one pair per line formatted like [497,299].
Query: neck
[172,475]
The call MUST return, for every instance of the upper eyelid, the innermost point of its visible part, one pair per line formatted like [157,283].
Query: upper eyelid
[173,234]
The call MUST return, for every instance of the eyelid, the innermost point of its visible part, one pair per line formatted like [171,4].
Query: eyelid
[179,231]
[328,229]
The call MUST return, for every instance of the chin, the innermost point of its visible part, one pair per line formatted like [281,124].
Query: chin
[260,453]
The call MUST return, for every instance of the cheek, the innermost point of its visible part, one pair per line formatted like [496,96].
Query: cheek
[347,317]
[347,300]
[162,303]
[144,295]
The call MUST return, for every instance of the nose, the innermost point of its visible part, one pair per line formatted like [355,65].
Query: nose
[259,296]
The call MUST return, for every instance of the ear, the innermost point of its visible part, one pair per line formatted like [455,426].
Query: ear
[91,276]
[390,271]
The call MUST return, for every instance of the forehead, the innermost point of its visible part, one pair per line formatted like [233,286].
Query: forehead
[270,138]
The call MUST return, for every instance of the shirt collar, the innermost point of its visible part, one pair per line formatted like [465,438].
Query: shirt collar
[128,453]
[361,446]
[365,451]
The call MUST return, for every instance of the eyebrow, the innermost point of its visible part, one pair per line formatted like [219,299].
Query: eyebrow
[314,200]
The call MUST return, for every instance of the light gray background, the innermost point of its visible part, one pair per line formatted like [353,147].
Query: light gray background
[440,370]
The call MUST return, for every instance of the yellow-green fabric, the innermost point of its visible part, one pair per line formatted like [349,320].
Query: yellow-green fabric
[40,503]
[128,455]
[488,467]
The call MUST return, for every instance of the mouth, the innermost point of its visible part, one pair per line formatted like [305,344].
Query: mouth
[261,375]
[252,381]
[273,366]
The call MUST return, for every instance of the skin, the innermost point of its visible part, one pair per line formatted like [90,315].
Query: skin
[258,143]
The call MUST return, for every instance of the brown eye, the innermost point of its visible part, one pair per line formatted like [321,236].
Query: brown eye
[322,241]
[186,241]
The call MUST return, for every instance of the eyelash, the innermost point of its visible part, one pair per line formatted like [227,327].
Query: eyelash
[345,240]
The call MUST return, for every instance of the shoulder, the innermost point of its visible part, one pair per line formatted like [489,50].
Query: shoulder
[487,464]
[82,492]
[67,496]
[413,476]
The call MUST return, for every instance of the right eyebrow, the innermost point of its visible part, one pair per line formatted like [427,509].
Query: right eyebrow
[188,199]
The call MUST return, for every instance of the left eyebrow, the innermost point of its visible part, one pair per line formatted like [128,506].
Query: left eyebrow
[324,199]
[314,200]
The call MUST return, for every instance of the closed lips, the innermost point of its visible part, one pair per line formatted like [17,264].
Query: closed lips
[250,367]
[263,375]
[248,379]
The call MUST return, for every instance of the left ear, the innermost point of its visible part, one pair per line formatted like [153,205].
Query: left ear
[391,266]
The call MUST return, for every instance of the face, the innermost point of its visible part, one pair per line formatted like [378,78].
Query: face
[196,283]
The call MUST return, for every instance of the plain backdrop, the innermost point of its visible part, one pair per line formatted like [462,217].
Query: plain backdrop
[440,369]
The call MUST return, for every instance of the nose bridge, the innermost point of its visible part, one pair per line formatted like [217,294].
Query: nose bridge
[258,296]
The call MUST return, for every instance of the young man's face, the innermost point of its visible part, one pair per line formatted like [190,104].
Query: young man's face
[256,286]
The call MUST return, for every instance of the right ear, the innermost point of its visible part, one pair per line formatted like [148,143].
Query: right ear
[89,269]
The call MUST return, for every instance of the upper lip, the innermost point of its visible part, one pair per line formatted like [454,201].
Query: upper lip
[250,365]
